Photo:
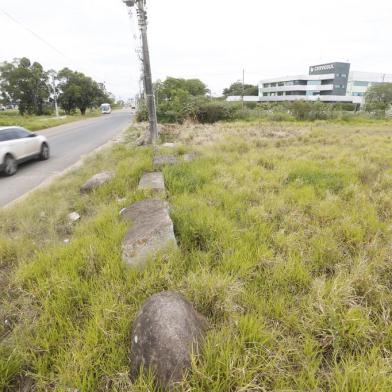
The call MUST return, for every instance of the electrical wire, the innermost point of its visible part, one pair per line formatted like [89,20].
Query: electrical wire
[33,33]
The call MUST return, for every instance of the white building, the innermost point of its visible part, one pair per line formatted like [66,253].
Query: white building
[333,82]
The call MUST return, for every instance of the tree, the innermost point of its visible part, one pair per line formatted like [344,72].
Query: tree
[25,84]
[236,89]
[379,97]
[79,91]
[174,88]
[176,99]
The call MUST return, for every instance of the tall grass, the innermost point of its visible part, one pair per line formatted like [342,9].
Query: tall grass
[284,238]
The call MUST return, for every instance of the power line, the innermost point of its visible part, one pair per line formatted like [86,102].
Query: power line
[34,33]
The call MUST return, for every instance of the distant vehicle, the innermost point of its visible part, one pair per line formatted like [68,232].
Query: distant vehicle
[18,145]
[106,108]
[2,108]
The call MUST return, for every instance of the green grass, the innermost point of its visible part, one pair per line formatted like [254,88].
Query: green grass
[35,123]
[284,238]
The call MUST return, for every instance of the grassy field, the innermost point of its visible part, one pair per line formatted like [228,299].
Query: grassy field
[35,123]
[284,235]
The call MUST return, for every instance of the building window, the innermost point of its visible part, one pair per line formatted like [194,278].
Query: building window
[339,85]
[359,83]
[266,85]
[273,84]
[280,84]
[300,82]
[341,75]
[314,82]
[358,94]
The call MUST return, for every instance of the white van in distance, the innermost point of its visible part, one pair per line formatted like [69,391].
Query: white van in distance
[106,108]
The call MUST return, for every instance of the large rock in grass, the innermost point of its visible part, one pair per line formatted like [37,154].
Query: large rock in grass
[164,335]
[152,181]
[152,230]
[164,161]
[96,181]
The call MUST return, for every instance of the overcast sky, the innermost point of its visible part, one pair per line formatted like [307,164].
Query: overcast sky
[208,39]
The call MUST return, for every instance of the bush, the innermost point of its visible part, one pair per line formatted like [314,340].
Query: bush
[300,110]
[280,116]
[213,112]
[142,113]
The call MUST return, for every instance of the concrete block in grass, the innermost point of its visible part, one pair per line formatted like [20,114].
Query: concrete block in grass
[151,231]
[96,181]
[164,161]
[152,181]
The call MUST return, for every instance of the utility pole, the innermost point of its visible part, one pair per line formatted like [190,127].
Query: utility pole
[147,78]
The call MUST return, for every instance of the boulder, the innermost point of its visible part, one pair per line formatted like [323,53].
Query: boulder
[152,230]
[152,181]
[164,160]
[96,181]
[165,333]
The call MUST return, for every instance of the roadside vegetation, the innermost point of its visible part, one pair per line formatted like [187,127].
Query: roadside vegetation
[179,100]
[284,233]
[35,123]
[32,90]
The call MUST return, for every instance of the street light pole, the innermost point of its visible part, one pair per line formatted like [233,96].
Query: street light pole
[147,78]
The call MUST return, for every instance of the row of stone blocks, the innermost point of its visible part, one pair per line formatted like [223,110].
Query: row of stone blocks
[168,329]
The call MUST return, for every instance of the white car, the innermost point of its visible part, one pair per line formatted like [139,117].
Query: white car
[18,145]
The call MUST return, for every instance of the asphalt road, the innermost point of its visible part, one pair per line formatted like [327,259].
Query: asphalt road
[67,144]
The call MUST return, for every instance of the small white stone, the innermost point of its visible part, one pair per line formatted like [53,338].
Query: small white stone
[73,217]
[136,339]
[122,210]
[169,145]
[66,241]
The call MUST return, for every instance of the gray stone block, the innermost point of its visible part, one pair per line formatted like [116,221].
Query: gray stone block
[164,334]
[164,160]
[152,230]
[152,181]
[189,157]
[96,181]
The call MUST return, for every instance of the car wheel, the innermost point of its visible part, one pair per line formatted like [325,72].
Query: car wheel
[10,165]
[45,153]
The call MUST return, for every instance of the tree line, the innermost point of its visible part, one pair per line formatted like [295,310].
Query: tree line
[32,89]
